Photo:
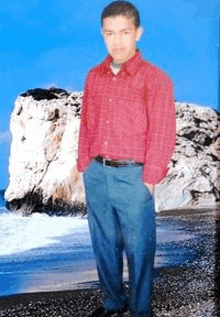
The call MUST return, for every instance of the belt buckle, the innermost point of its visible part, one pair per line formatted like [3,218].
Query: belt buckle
[104,162]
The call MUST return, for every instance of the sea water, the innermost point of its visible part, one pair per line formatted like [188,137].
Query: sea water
[19,234]
[32,246]
[42,252]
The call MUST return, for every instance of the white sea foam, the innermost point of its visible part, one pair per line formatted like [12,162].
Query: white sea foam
[19,233]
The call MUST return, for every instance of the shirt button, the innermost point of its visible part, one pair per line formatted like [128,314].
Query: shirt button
[107,121]
[106,143]
[114,78]
[110,99]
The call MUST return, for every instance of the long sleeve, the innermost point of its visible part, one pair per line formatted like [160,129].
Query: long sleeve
[161,132]
[83,145]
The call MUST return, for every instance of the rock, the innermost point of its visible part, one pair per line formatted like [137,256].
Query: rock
[193,178]
[42,94]
[43,152]
[42,166]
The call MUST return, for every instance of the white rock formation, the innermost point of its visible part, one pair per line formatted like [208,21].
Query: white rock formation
[44,127]
[193,178]
[44,149]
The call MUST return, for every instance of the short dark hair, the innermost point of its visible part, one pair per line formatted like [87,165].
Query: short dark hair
[120,7]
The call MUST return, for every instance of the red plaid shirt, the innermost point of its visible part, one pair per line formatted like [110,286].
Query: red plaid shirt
[130,115]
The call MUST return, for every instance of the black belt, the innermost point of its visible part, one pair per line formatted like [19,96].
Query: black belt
[115,163]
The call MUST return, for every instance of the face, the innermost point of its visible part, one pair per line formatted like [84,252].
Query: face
[120,36]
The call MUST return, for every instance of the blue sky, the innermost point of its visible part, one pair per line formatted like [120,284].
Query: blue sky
[46,43]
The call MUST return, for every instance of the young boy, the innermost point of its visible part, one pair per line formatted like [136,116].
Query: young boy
[127,137]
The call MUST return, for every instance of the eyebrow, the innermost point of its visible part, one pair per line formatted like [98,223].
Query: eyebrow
[126,29]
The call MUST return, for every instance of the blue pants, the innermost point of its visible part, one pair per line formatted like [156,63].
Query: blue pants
[121,215]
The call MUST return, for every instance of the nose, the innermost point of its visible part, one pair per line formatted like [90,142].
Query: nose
[117,39]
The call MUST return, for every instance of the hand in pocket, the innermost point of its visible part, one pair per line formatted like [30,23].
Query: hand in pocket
[150,188]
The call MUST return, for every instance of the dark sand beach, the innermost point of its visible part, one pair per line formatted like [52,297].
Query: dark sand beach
[189,289]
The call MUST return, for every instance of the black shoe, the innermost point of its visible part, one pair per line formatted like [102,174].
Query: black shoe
[101,312]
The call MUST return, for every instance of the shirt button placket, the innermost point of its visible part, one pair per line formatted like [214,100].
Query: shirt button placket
[106,143]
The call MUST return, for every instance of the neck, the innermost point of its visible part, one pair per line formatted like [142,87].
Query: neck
[115,68]
[115,65]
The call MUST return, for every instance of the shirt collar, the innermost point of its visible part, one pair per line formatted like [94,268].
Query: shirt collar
[131,65]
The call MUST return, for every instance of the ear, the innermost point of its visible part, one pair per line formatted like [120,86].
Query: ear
[139,33]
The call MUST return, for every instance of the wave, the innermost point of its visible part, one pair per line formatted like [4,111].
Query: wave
[20,234]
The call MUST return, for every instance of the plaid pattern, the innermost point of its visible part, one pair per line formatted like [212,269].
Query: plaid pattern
[130,115]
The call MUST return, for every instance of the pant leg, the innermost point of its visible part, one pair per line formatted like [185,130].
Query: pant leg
[105,235]
[135,208]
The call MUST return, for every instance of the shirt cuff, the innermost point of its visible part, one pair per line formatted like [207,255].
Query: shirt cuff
[153,174]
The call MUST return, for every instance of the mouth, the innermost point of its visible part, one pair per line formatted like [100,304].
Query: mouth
[118,50]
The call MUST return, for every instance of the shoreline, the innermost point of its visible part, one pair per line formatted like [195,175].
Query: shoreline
[186,287]
[171,297]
